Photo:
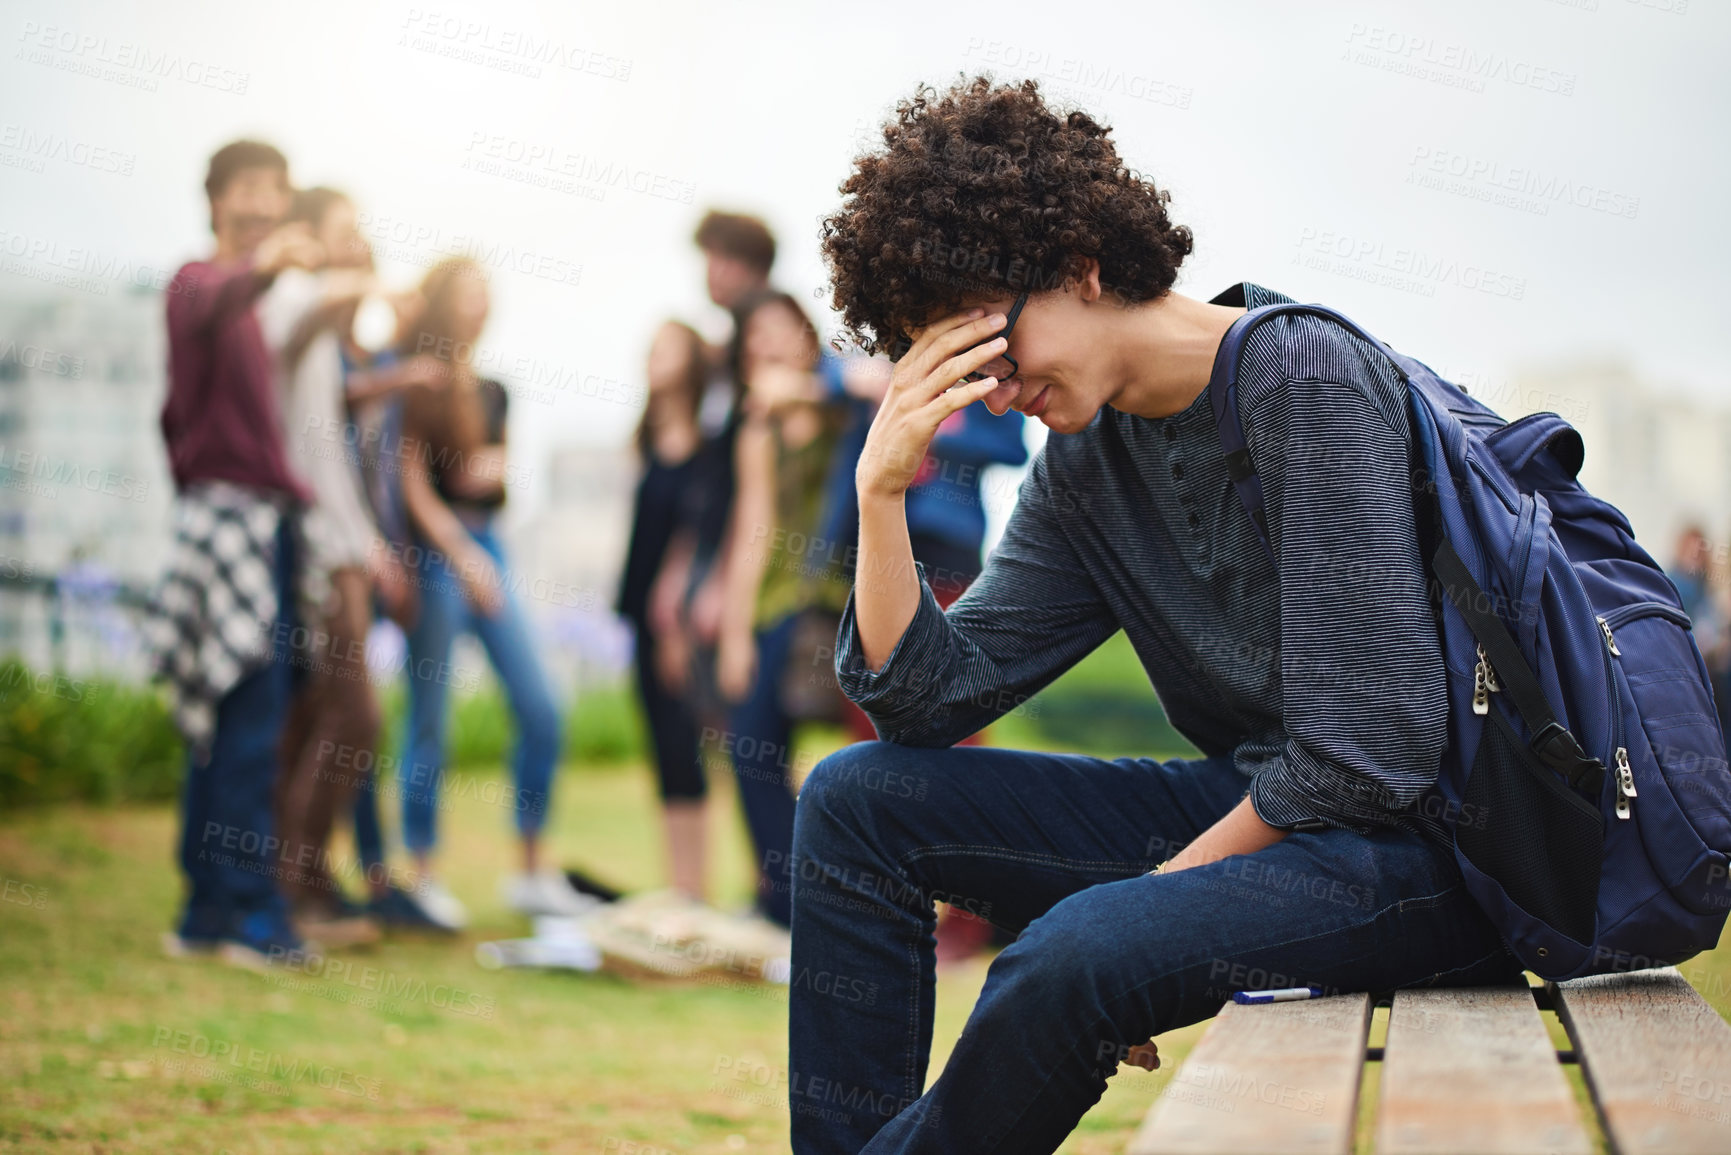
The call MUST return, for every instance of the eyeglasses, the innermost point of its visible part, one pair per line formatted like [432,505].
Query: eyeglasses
[900,348]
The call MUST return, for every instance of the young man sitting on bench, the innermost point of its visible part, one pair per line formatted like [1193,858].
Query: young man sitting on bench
[1003,253]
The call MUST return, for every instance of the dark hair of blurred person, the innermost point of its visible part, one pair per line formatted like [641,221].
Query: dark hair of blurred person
[740,250]
[258,205]
[778,568]
[452,460]
[228,595]
[654,588]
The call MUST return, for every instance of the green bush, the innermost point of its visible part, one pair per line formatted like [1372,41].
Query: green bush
[1102,706]
[603,726]
[92,740]
[66,739]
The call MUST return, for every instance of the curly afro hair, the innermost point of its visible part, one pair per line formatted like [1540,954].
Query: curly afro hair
[984,191]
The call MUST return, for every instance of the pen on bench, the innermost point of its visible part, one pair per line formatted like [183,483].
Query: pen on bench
[1283,995]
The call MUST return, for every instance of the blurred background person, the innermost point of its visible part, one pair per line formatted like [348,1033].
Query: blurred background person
[375,377]
[653,591]
[333,723]
[1704,601]
[786,448]
[453,483]
[738,254]
[225,608]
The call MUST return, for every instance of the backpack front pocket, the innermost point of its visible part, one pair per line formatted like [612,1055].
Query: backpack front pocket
[1675,760]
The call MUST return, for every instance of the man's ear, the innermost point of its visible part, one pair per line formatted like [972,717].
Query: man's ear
[1085,278]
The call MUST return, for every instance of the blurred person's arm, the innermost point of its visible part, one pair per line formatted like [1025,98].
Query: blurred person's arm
[438,524]
[749,534]
[196,305]
[388,578]
[835,379]
[666,611]
[339,290]
[365,385]
[482,476]
[472,564]
[467,415]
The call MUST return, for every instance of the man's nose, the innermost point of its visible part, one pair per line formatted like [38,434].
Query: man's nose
[999,400]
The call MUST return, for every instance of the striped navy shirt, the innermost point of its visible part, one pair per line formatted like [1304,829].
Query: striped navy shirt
[1325,682]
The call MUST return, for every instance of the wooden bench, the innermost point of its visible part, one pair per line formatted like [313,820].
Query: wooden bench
[1463,1072]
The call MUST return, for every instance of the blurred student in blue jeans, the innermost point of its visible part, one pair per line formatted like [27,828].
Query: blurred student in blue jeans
[780,567]
[225,609]
[452,457]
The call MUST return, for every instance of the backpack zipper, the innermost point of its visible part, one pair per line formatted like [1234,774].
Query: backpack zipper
[1484,683]
[1625,783]
[1627,613]
[1624,772]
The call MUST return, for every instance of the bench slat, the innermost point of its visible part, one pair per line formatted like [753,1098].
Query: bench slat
[1474,1070]
[1657,1058]
[1279,1078]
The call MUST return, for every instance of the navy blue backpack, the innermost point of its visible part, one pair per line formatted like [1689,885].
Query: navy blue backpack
[1585,780]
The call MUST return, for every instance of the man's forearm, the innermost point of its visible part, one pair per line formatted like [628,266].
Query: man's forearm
[1239,831]
[886,587]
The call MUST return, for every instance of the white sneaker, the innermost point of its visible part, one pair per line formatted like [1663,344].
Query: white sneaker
[440,904]
[545,892]
[558,943]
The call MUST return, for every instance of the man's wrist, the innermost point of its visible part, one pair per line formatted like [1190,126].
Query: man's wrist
[876,496]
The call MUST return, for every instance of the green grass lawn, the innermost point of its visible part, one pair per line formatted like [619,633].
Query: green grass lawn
[106,1046]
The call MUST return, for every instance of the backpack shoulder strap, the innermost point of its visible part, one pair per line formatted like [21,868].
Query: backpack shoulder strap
[1550,740]
[1223,397]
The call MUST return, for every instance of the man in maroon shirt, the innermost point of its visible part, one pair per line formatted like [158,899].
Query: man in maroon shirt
[225,609]
[221,420]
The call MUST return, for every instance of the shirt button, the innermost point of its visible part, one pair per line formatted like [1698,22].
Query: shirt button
[1171,433]
[1195,519]
[1178,470]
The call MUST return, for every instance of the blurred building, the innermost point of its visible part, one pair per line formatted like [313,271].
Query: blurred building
[84,488]
[569,554]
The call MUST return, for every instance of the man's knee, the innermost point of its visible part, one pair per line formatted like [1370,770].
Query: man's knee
[852,778]
[844,791]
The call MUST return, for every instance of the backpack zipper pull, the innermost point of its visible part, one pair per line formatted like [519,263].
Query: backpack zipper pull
[1484,684]
[1625,782]
[1610,640]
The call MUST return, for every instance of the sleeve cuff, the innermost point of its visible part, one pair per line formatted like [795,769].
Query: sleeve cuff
[912,665]
[1290,799]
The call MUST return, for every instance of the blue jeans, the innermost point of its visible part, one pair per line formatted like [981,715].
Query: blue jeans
[1058,848]
[762,739]
[228,834]
[509,641]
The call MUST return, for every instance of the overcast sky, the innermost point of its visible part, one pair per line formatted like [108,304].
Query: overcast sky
[1483,183]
